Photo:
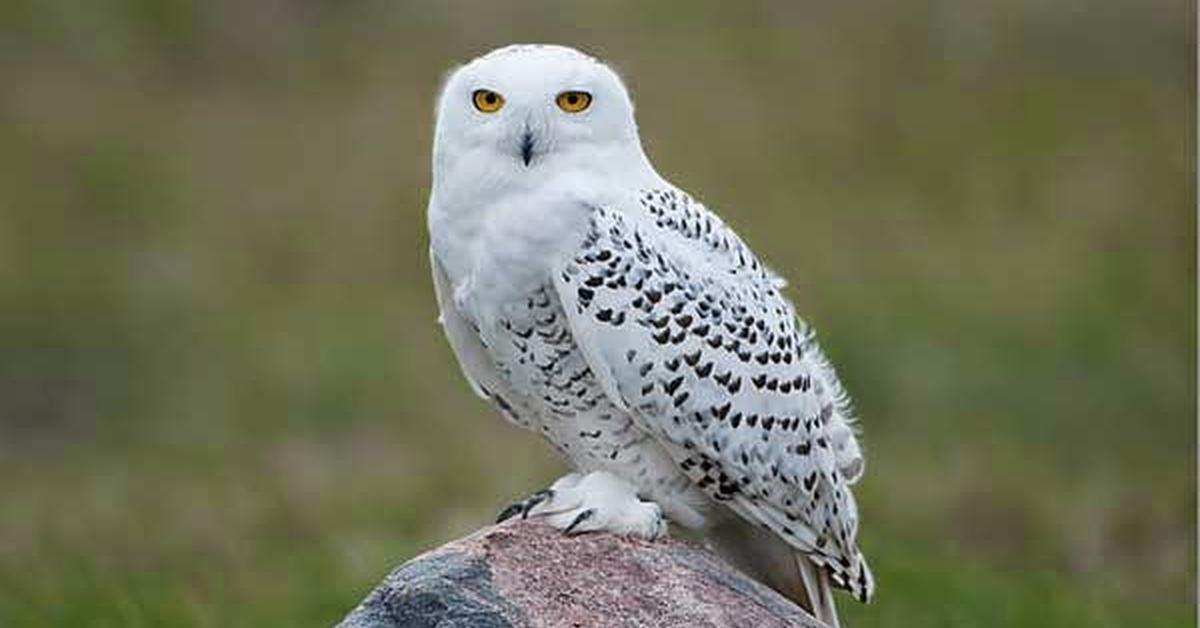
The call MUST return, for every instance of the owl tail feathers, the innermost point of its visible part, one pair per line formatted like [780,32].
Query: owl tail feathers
[819,576]
[817,591]
[852,575]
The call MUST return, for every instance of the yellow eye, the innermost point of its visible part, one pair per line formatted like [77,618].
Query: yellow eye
[487,101]
[573,101]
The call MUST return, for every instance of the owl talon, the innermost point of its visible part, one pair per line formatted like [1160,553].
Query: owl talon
[543,495]
[580,518]
[522,507]
[509,512]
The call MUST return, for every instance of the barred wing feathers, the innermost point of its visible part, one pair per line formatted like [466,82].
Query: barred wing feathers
[683,326]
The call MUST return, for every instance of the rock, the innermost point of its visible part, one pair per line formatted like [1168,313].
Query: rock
[525,574]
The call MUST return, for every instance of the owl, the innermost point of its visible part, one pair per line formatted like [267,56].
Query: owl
[591,301]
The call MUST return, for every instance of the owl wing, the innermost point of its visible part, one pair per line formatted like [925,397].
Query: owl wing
[685,328]
[477,366]
[464,341]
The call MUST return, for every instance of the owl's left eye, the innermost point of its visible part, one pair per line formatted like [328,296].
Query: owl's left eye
[573,101]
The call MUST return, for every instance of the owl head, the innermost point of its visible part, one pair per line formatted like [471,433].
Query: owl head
[524,109]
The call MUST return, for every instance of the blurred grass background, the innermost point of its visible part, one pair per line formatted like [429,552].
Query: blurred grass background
[224,400]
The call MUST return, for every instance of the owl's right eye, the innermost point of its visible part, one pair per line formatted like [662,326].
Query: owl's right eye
[487,101]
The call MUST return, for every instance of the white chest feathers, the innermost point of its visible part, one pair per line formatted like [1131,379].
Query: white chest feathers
[498,248]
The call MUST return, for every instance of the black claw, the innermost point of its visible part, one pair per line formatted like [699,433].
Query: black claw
[580,518]
[509,512]
[524,506]
[534,500]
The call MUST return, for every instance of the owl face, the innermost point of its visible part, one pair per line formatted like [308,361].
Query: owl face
[526,108]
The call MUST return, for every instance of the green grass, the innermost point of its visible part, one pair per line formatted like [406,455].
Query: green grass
[224,400]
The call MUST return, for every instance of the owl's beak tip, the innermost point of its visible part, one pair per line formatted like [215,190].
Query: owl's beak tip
[527,146]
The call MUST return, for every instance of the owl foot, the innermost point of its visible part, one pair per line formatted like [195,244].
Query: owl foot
[598,501]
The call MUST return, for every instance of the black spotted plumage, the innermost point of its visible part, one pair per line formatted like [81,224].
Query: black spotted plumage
[715,320]
[631,343]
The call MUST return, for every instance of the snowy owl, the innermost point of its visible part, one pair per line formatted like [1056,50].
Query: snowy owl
[593,302]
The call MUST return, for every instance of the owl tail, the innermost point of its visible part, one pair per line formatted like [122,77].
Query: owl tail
[796,575]
[816,588]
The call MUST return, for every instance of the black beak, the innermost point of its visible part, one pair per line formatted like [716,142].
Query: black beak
[527,147]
